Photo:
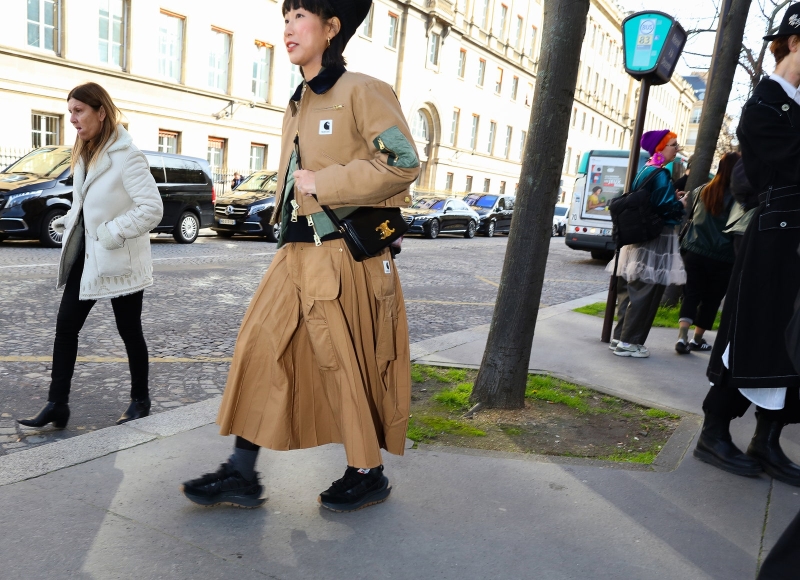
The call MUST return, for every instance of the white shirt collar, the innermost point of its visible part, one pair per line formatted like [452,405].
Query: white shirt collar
[791,90]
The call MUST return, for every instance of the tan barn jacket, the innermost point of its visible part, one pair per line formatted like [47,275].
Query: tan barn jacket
[353,134]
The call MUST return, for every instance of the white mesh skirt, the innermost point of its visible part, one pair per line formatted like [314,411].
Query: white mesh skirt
[655,262]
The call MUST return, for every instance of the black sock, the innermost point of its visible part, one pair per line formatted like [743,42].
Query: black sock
[244,458]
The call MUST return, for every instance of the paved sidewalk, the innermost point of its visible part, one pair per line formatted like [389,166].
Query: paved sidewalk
[106,504]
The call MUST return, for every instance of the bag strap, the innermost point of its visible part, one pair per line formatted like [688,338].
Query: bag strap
[651,177]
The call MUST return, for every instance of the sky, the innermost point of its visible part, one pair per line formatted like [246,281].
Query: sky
[702,14]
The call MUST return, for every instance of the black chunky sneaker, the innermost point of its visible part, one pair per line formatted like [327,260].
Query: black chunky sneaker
[700,345]
[681,347]
[359,488]
[226,486]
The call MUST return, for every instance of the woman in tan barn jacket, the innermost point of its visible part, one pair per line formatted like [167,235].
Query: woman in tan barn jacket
[322,354]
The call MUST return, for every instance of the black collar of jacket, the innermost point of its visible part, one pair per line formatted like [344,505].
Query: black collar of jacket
[771,93]
[320,84]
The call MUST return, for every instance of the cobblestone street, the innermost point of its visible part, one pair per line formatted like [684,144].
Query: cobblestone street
[192,314]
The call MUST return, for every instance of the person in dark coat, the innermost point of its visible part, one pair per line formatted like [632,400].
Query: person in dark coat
[237,180]
[750,362]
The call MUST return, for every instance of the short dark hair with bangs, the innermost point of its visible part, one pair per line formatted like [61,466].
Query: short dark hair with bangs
[332,57]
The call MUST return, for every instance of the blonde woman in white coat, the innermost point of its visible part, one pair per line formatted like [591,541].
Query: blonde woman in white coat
[106,247]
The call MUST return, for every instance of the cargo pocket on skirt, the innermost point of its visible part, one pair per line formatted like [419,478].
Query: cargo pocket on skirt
[322,267]
[381,274]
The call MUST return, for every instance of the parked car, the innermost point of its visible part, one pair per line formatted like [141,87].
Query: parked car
[494,211]
[247,209]
[37,189]
[560,215]
[434,215]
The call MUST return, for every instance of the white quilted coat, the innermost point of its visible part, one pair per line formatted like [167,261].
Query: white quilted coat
[114,207]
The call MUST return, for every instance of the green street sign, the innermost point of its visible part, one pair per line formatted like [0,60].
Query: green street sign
[651,44]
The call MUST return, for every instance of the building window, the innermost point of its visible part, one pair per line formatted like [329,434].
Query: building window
[498,83]
[448,182]
[696,112]
[514,88]
[518,33]
[492,133]
[366,28]
[170,46]
[591,127]
[532,50]
[462,63]
[481,72]
[507,146]
[503,17]
[574,116]
[583,121]
[454,126]
[691,139]
[482,7]
[468,185]
[295,78]
[112,31]
[45,129]
[521,144]
[567,159]
[473,138]
[216,158]
[486,184]
[258,157]
[502,188]
[529,95]
[168,142]
[262,70]
[393,21]
[433,48]
[43,28]
[219,59]
[577,163]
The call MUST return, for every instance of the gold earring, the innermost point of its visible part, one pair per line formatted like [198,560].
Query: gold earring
[329,42]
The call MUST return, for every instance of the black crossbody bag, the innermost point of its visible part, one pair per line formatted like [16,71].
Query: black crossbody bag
[366,230]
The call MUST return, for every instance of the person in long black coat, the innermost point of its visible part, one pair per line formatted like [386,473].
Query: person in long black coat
[749,362]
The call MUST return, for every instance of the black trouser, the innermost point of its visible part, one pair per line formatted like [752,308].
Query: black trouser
[729,403]
[706,283]
[784,558]
[72,314]
[638,304]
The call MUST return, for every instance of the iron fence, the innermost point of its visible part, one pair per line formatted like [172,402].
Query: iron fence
[9,155]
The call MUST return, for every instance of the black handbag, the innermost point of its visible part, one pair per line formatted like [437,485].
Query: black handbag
[633,217]
[689,220]
[367,230]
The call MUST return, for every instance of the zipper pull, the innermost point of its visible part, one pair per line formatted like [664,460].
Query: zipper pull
[295,207]
[317,240]
[310,220]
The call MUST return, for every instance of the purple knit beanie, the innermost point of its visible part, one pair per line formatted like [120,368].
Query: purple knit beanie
[651,139]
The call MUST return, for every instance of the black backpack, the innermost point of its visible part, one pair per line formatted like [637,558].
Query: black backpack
[633,216]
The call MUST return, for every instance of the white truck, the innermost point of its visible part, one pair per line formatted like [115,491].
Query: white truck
[601,178]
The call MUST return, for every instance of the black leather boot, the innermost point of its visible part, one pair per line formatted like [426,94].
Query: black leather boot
[716,447]
[136,410]
[765,447]
[55,413]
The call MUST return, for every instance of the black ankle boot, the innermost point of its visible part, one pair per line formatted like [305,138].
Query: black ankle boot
[716,447]
[136,410]
[55,413]
[765,447]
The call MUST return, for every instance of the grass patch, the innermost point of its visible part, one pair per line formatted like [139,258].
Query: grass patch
[456,398]
[511,430]
[421,373]
[645,457]
[428,427]
[552,390]
[666,317]
[659,414]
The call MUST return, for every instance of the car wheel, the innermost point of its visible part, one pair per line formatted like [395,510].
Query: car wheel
[48,236]
[226,235]
[604,255]
[432,229]
[555,231]
[272,233]
[471,228]
[187,228]
[489,230]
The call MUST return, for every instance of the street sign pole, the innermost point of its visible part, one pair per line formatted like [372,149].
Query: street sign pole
[651,45]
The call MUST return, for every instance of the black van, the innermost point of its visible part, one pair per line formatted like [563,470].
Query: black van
[37,189]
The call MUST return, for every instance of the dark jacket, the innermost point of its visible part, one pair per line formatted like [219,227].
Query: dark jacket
[705,235]
[766,275]
[662,194]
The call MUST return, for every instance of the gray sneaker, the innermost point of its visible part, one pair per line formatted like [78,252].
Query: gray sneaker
[634,350]
[613,344]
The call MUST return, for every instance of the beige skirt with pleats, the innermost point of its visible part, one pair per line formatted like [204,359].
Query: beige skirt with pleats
[322,356]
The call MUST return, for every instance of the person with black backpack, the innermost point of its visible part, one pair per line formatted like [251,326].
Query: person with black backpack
[647,267]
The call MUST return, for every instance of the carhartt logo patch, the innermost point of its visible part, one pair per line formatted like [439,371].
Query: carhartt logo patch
[387,269]
[326,127]
[794,20]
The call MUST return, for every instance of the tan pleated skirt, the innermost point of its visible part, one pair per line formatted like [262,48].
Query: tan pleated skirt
[322,356]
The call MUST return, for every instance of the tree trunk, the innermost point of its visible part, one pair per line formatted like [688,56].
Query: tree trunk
[718,91]
[504,369]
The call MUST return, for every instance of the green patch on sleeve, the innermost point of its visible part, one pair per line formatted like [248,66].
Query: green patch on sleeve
[401,153]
